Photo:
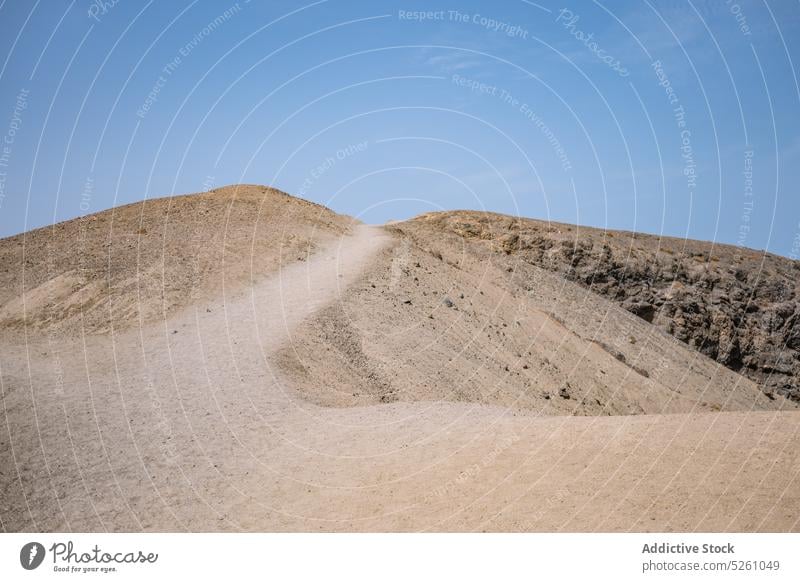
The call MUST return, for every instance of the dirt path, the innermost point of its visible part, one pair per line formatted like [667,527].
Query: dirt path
[161,409]
[185,425]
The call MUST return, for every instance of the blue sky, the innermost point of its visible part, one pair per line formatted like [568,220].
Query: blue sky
[670,117]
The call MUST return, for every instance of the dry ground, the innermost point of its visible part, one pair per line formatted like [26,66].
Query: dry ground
[317,375]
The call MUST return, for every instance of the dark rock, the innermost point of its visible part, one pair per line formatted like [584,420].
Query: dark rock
[736,306]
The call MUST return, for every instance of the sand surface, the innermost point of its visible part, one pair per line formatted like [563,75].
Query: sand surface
[196,422]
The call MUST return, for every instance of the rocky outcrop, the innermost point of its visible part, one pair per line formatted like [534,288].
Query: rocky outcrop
[735,305]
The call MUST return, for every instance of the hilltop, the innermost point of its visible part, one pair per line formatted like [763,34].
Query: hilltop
[241,359]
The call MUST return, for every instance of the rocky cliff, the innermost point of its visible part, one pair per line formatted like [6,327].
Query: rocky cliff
[735,305]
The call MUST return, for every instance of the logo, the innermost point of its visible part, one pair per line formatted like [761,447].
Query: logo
[31,555]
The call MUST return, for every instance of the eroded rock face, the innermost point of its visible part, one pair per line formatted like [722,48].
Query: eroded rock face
[735,305]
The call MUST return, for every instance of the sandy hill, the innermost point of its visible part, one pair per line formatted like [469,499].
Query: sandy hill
[275,366]
[144,261]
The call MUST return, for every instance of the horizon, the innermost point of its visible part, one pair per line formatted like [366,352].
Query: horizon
[395,221]
[666,118]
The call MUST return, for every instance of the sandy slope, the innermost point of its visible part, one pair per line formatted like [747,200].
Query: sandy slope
[434,320]
[185,392]
[203,420]
[145,261]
